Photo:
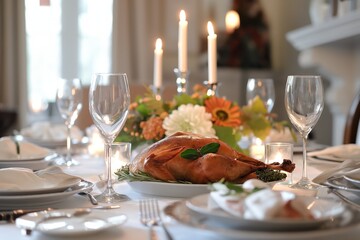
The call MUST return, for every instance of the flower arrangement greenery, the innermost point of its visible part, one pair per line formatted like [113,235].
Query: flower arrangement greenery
[151,119]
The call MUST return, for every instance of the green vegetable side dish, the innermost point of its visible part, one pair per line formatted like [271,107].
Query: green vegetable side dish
[193,154]
[124,174]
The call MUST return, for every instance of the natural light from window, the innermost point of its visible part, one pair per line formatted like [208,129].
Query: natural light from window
[66,39]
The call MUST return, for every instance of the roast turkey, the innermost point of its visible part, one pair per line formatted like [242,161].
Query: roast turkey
[163,161]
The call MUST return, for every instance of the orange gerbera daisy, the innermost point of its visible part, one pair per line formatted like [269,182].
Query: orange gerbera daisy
[223,112]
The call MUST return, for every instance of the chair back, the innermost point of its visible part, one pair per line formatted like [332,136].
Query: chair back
[352,121]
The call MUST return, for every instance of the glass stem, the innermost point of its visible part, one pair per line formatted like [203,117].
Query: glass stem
[68,143]
[304,171]
[108,165]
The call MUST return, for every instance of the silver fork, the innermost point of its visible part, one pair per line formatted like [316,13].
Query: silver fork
[150,217]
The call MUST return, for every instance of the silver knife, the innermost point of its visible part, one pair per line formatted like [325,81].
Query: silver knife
[10,215]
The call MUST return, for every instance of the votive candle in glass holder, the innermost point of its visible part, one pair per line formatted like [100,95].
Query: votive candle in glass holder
[277,152]
[120,156]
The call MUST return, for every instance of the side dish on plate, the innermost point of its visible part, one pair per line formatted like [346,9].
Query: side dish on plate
[190,158]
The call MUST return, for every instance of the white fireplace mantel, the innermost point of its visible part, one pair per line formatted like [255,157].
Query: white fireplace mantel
[334,47]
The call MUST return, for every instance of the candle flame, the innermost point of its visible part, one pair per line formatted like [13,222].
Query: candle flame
[278,157]
[158,44]
[182,15]
[232,20]
[210,28]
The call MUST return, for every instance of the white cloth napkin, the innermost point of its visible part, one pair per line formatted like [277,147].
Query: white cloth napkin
[46,131]
[262,205]
[346,151]
[22,179]
[27,150]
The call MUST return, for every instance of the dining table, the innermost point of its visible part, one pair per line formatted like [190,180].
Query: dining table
[91,168]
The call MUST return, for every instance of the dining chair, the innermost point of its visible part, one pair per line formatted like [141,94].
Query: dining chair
[7,121]
[352,121]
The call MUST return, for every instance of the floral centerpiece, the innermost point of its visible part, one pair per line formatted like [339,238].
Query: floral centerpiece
[151,119]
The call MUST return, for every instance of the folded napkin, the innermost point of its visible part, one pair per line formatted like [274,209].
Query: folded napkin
[346,151]
[24,179]
[27,150]
[264,204]
[46,131]
[343,168]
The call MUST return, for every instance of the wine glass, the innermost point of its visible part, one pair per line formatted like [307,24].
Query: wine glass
[69,104]
[262,87]
[304,102]
[109,100]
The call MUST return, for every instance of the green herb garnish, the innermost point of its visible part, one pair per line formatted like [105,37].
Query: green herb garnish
[193,154]
[270,175]
[124,174]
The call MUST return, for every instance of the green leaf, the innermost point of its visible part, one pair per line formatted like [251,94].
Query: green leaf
[226,134]
[190,154]
[143,110]
[210,148]
[184,99]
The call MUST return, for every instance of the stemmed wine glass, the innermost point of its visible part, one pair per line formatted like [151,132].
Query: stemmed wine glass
[109,100]
[262,87]
[304,102]
[69,104]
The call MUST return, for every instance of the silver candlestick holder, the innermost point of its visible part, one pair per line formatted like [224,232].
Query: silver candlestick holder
[182,79]
[157,91]
[212,88]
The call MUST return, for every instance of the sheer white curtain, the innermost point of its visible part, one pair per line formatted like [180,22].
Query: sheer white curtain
[13,84]
[137,24]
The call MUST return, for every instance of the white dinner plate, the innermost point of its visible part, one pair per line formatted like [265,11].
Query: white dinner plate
[94,222]
[178,211]
[39,200]
[342,184]
[177,190]
[34,157]
[34,164]
[51,187]
[164,189]
[353,177]
[323,211]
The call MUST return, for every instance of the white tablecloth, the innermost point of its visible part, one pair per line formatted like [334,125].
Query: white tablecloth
[90,168]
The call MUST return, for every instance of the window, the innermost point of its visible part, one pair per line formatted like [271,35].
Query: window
[65,39]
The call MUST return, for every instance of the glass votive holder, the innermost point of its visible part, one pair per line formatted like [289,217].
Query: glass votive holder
[277,152]
[120,156]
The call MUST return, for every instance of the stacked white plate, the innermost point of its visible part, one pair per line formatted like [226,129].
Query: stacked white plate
[23,188]
[332,219]
[31,156]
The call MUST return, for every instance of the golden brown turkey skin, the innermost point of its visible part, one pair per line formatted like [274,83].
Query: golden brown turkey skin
[162,160]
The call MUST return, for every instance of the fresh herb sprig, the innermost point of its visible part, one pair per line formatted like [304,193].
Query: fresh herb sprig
[193,154]
[124,174]
[270,175]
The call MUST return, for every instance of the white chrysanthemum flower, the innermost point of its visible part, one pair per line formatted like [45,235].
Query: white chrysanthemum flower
[189,118]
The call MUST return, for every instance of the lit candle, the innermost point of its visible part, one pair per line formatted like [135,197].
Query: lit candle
[211,53]
[182,44]
[158,53]
[232,21]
